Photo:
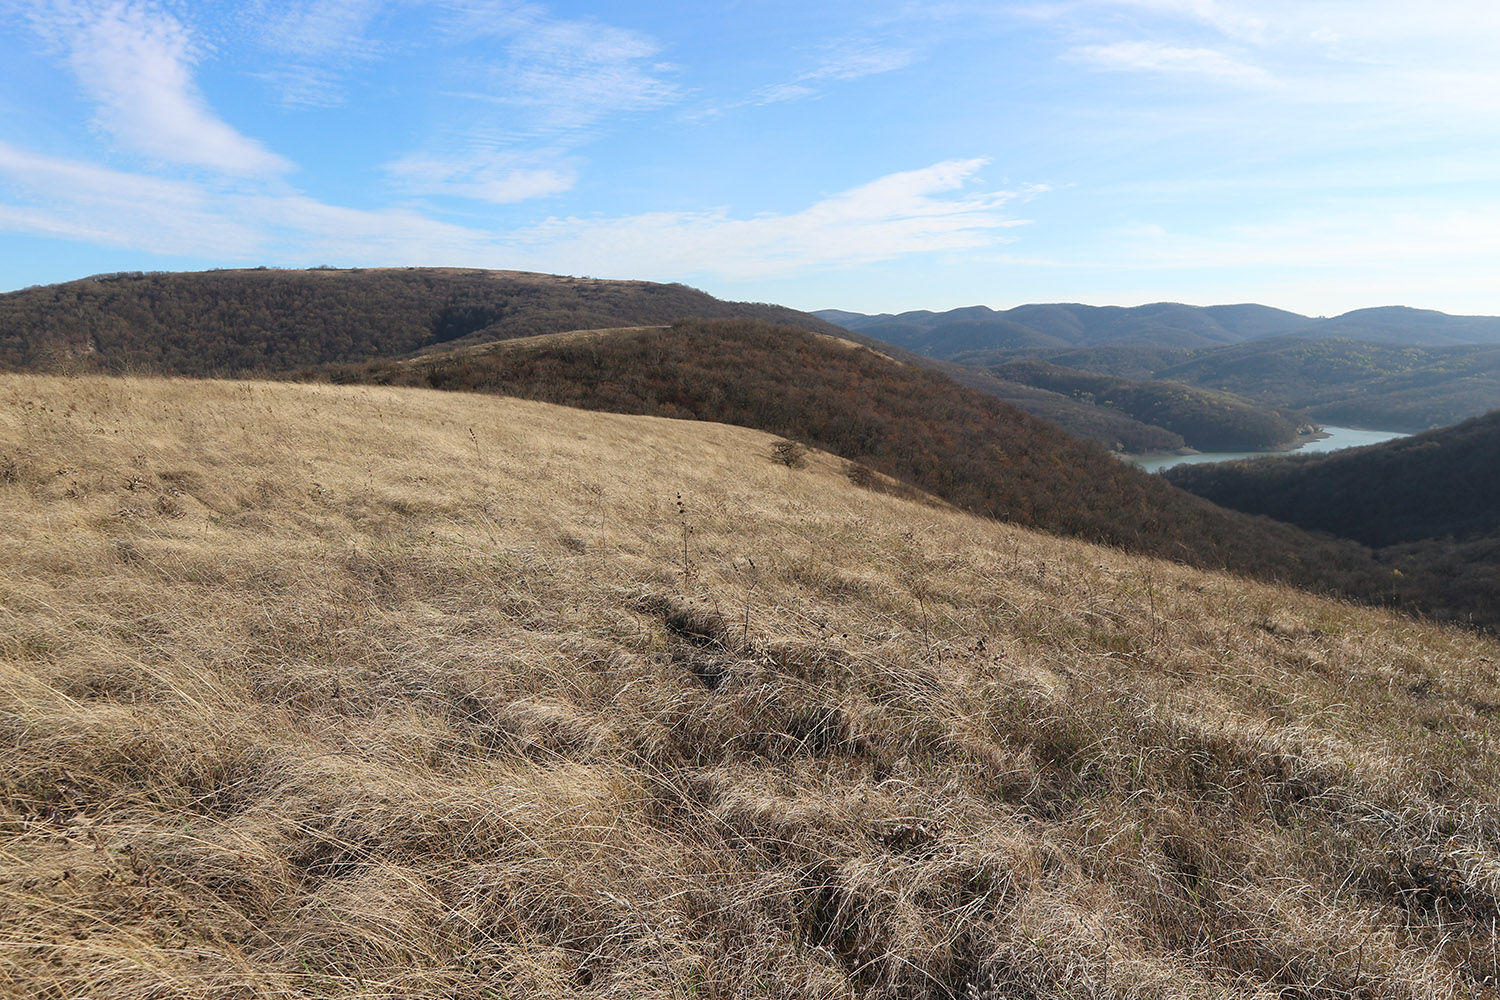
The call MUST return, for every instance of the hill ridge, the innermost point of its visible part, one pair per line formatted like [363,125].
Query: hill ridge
[1172,324]
[262,320]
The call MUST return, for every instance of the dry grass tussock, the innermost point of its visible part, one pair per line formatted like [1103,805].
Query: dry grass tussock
[309,691]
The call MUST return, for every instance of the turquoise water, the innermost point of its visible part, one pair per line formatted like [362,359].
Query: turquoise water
[1338,438]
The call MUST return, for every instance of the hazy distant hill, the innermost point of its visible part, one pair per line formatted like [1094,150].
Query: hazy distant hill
[1373,383]
[1403,325]
[269,320]
[1160,325]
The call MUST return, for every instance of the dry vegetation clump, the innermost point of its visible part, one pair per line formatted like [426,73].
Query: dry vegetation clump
[791,454]
[314,691]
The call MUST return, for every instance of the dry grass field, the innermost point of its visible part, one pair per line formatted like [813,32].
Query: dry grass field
[316,691]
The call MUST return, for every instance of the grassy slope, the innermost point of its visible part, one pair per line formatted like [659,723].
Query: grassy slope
[956,443]
[312,691]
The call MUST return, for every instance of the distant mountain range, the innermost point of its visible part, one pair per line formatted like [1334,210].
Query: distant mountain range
[1391,368]
[1159,325]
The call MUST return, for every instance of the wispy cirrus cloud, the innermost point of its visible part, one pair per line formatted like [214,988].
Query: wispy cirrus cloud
[557,75]
[534,86]
[1335,236]
[1158,57]
[482,174]
[910,213]
[902,214]
[1431,62]
[843,60]
[55,196]
[315,43]
[135,60]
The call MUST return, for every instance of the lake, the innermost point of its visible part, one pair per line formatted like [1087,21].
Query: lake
[1338,438]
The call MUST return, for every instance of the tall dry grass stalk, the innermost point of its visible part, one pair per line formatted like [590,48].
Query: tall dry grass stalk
[350,692]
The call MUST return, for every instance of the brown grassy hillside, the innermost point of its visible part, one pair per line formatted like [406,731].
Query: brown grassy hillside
[313,691]
[960,444]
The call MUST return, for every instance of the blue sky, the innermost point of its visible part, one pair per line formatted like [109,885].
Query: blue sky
[1319,155]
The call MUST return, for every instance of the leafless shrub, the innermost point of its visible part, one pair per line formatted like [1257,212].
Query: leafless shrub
[789,453]
[860,475]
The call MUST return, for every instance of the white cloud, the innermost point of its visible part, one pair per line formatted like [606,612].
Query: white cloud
[1466,24]
[902,214]
[778,93]
[561,75]
[846,60]
[536,77]
[913,212]
[1431,64]
[852,60]
[90,204]
[135,61]
[323,27]
[1170,59]
[317,43]
[1416,233]
[482,175]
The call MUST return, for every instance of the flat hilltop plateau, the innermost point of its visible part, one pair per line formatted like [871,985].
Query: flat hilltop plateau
[313,690]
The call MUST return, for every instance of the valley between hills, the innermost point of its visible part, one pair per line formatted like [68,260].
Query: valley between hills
[482,634]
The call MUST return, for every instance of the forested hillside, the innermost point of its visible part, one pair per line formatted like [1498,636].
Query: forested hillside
[1336,381]
[1445,483]
[1429,505]
[1205,419]
[222,322]
[1114,430]
[1161,324]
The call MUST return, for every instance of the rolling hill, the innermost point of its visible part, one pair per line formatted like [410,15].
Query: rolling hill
[1353,382]
[1428,504]
[1163,324]
[263,320]
[312,691]
[272,321]
[1444,483]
